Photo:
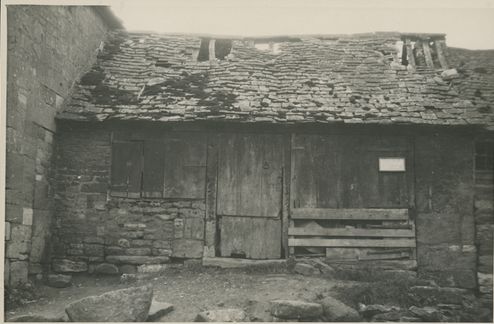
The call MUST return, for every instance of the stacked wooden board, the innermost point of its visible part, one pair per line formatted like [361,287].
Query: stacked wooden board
[352,234]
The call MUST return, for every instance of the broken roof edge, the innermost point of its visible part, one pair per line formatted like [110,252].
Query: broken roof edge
[75,119]
[108,17]
[288,36]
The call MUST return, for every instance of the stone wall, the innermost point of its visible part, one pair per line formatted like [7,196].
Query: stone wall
[444,203]
[484,224]
[96,232]
[49,47]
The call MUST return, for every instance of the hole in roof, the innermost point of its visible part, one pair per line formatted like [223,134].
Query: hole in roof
[204,50]
[222,47]
[163,63]
[272,48]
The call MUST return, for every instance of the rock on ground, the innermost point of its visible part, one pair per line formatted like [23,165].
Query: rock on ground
[123,305]
[64,265]
[306,269]
[106,268]
[444,295]
[222,315]
[59,280]
[369,311]
[158,310]
[36,318]
[295,309]
[428,314]
[336,311]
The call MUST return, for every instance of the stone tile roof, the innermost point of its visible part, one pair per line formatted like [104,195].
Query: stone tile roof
[304,79]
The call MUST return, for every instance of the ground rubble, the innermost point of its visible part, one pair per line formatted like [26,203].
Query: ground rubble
[138,301]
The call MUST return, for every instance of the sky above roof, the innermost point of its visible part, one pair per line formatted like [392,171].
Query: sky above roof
[467,23]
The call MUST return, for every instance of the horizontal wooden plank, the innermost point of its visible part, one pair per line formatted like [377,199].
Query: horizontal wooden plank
[362,232]
[390,256]
[240,263]
[349,214]
[351,242]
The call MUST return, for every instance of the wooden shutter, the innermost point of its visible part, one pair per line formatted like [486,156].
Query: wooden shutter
[185,166]
[126,169]
[152,178]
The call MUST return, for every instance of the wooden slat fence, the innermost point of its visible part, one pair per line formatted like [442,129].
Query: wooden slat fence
[361,234]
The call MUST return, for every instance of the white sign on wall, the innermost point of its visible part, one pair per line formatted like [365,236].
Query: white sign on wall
[392,164]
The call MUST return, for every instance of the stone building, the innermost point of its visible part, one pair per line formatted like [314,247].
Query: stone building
[49,47]
[372,148]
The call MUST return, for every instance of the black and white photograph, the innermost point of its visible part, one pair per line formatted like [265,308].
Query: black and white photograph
[247,161]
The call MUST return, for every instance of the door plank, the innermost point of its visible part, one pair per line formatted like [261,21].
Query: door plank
[351,242]
[351,232]
[250,237]
[349,213]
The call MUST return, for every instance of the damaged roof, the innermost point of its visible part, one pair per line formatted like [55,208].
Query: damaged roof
[377,78]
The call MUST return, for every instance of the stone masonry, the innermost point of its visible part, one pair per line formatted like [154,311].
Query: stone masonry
[94,229]
[48,49]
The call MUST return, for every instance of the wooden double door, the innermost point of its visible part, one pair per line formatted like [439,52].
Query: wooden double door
[328,173]
[249,198]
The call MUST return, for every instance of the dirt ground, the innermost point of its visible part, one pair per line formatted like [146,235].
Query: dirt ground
[189,290]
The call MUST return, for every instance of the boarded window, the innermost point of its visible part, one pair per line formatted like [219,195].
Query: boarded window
[185,166]
[174,167]
[126,173]
[152,180]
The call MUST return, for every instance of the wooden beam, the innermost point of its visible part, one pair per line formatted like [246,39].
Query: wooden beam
[410,55]
[349,214]
[314,242]
[285,210]
[440,44]
[362,232]
[212,54]
[240,263]
[211,228]
[427,54]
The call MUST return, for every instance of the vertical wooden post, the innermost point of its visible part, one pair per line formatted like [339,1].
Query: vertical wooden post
[440,53]
[427,54]
[290,184]
[286,178]
[410,56]
[211,234]
[212,54]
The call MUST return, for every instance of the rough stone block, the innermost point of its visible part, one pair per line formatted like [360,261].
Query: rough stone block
[18,273]
[221,315]
[336,311]
[94,250]
[131,259]
[59,280]
[18,250]
[13,213]
[183,248]
[106,268]
[295,309]
[485,264]
[64,265]
[7,231]
[306,269]
[27,216]
[124,305]
[128,269]
[158,310]
[444,295]
[151,268]
[138,251]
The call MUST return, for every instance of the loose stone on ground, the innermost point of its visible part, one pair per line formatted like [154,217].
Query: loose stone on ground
[222,315]
[295,309]
[124,305]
